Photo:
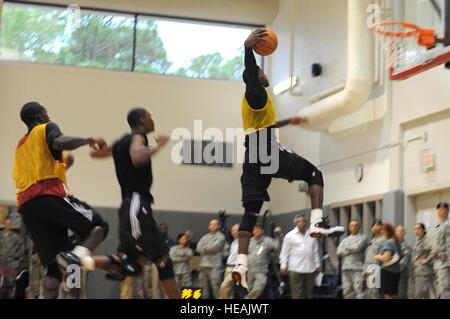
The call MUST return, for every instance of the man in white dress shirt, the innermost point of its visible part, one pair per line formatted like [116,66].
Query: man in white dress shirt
[300,258]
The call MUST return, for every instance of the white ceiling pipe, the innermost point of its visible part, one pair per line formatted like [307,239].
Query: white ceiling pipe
[360,72]
[324,94]
[293,25]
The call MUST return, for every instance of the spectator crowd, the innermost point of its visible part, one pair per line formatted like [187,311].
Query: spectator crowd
[380,265]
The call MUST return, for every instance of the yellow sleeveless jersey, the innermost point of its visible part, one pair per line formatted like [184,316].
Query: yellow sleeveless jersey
[33,161]
[256,119]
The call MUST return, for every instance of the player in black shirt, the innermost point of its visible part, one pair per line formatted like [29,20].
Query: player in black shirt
[140,239]
[259,120]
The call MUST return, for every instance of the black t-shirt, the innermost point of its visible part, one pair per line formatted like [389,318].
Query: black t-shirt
[131,179]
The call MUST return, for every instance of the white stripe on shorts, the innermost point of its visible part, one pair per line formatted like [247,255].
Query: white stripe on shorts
[135,206]
[282,148]
[82,210]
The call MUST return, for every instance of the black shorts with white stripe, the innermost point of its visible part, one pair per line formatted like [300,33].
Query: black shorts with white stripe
[284,164]
[47,220]
[138,231]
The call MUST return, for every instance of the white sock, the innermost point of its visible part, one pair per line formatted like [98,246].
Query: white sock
[316,214]
[88,263]
[241,259]
[81,252]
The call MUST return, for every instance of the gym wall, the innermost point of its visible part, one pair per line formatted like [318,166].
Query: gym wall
[87,102]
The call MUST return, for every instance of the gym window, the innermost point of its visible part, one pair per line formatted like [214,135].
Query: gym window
[103,39]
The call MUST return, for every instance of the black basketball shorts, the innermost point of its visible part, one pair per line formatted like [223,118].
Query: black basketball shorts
[48,218]
[286,165]
[138,231]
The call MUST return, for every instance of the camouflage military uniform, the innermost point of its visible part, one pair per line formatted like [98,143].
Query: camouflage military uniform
[258,264]
[421,274]
[441,255]
[404,270]
[211,264]
[373,248]
[352,265]
[181,258]
[144,282]
[12,252]
[37,274]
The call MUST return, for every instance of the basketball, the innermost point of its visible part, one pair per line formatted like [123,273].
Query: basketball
[267,45]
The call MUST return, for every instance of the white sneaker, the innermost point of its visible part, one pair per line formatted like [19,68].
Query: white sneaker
[321,228]
[239,276]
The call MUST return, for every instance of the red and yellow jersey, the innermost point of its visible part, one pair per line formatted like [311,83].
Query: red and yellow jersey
[36,171]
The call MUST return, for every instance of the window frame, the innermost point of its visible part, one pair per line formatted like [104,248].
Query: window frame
[136,15]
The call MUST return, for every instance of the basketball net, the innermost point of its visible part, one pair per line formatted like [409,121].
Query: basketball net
[405,43]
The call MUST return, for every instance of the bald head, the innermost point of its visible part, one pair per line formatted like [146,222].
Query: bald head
[33,113]
[301,223]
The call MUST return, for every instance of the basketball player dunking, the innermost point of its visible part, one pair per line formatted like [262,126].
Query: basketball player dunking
[258,115]
[140,239]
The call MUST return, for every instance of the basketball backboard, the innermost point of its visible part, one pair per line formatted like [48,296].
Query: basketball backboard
[428,14]
[401,41]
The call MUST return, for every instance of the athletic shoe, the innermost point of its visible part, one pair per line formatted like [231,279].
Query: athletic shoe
[321,228]
[131,269]
[67,258]
[114,261]
[127,268]
[239,276]
[115,277]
